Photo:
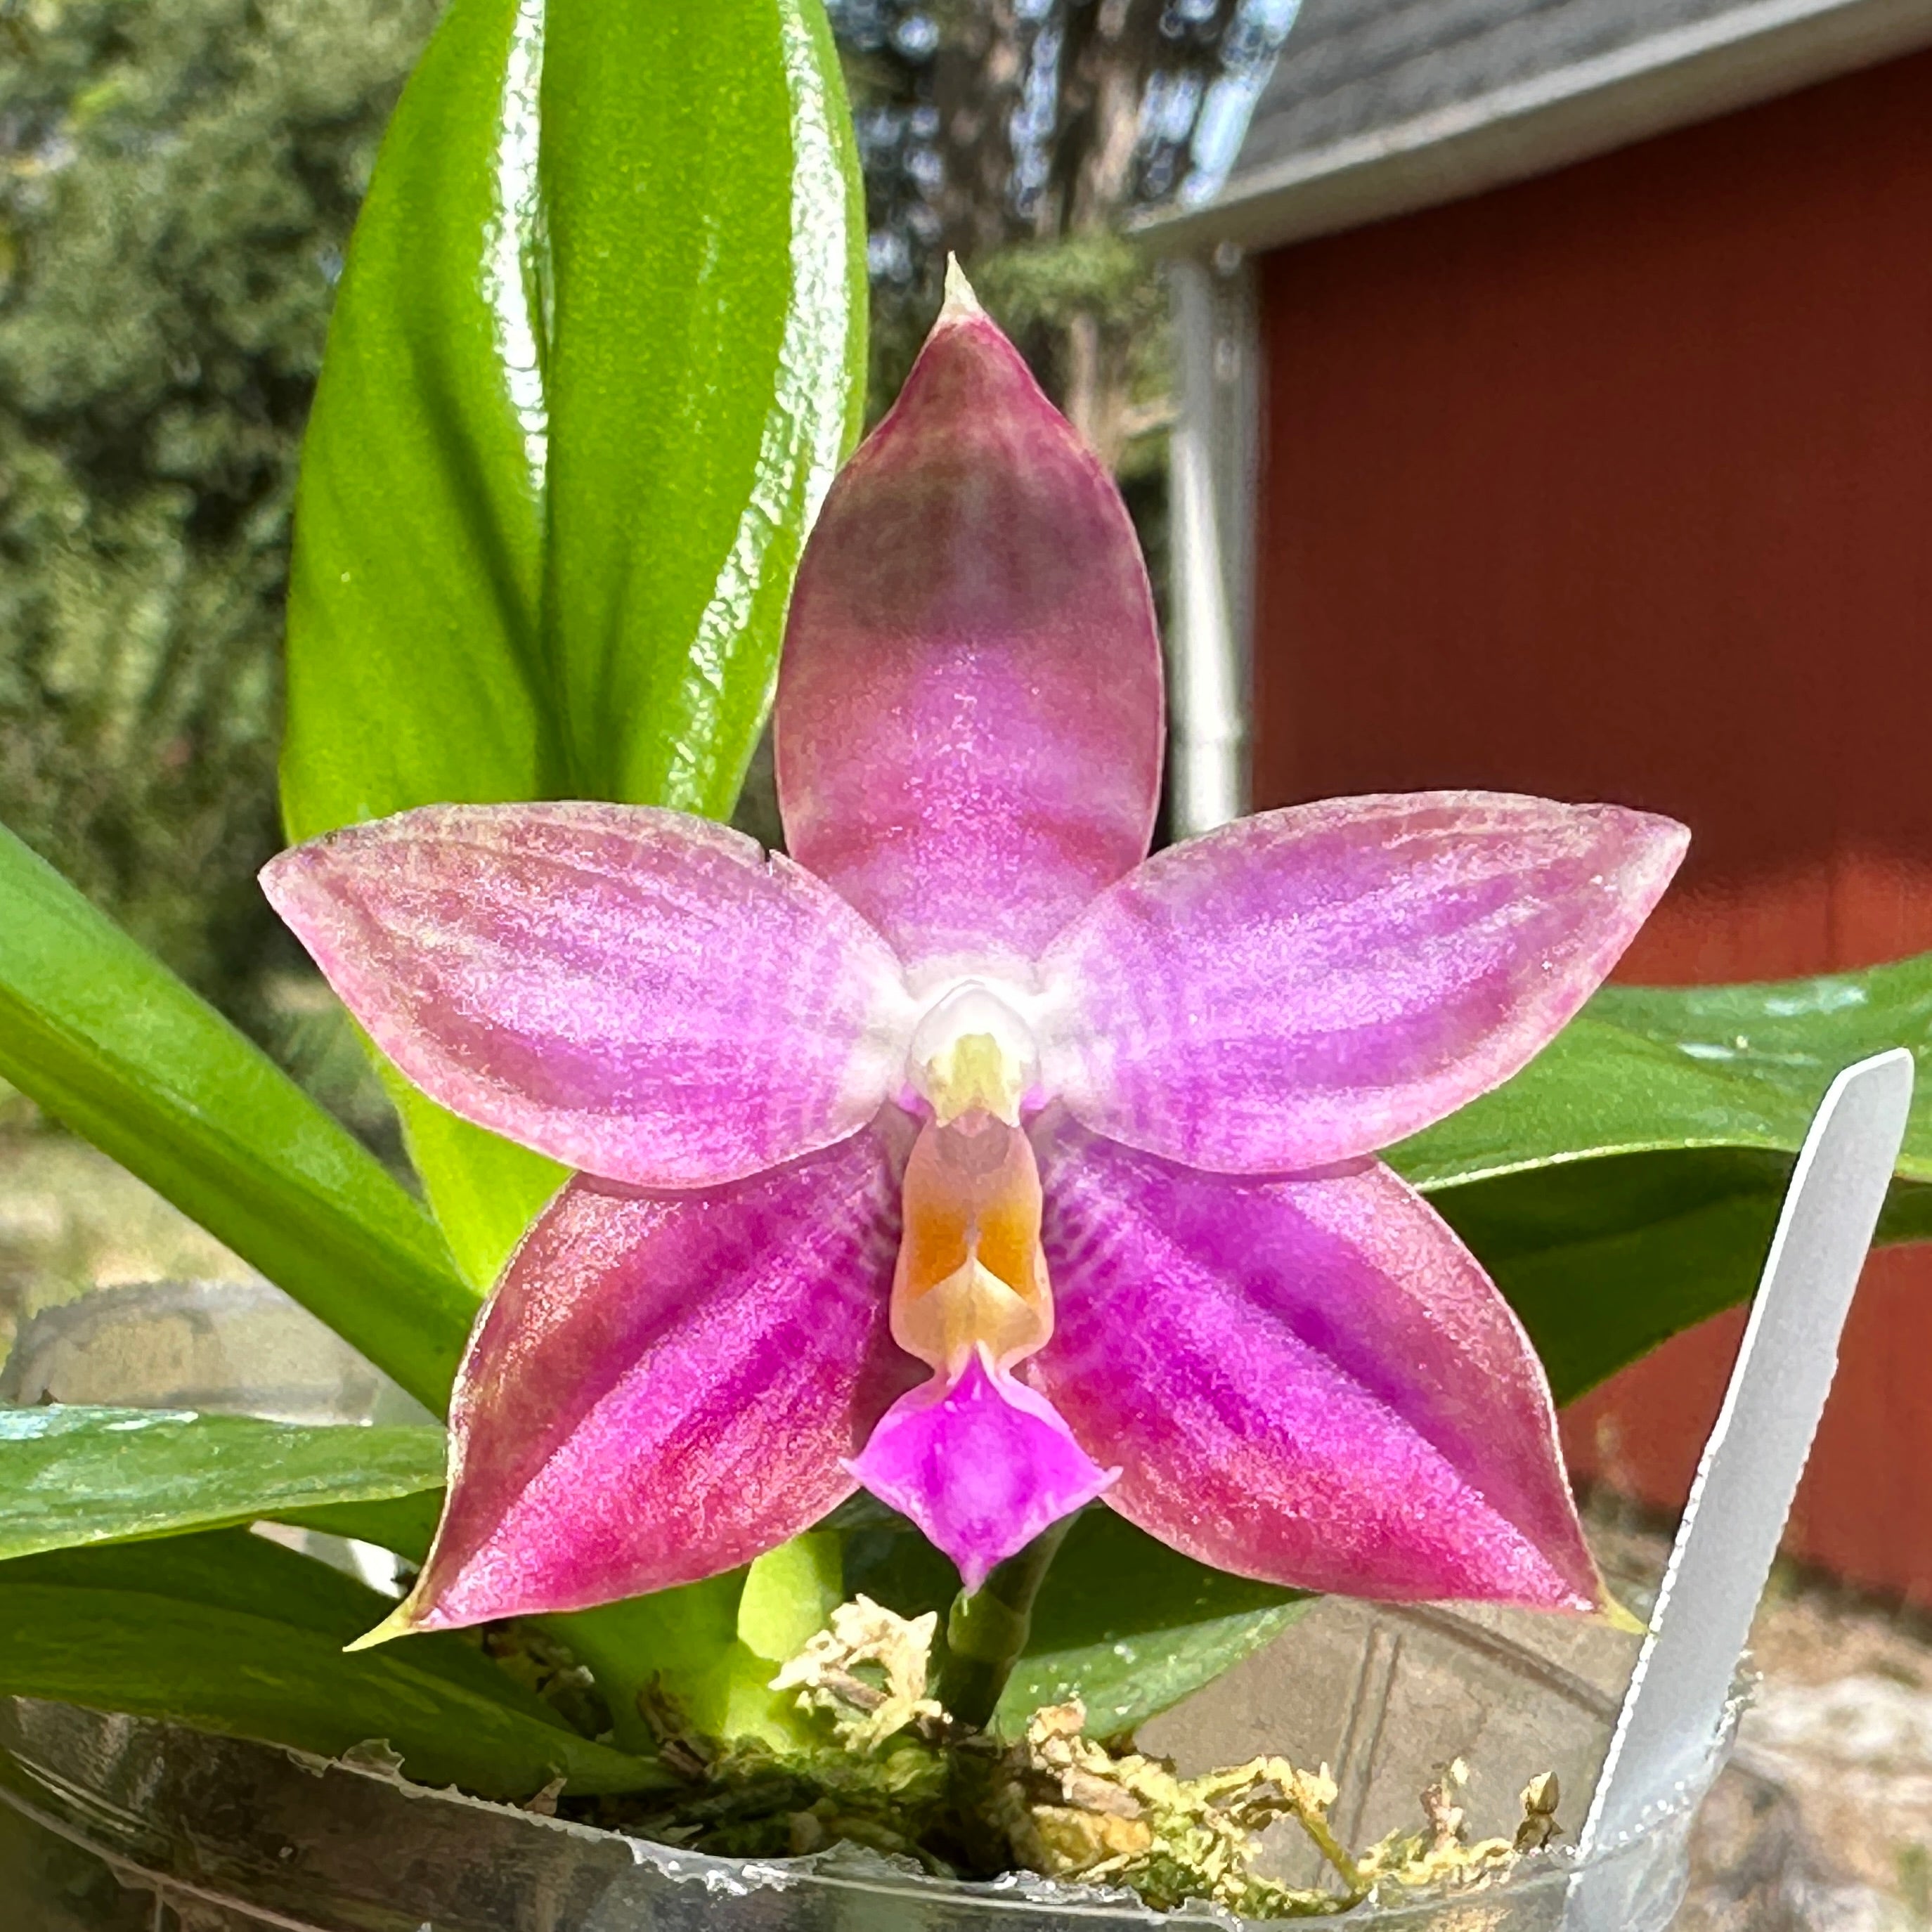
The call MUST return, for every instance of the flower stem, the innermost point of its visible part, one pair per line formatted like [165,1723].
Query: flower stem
[986,1632]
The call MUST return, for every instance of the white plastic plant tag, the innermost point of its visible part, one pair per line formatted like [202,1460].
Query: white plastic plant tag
[1751,1464]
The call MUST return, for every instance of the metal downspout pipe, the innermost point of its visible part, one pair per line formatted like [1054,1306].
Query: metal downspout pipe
[1207,672]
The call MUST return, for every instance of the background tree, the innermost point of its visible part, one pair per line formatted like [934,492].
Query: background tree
[177,182]
[178,179]
[1022,135]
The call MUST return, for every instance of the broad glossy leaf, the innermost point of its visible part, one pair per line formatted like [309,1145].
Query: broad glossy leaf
[1131,1627]
[1604,1259]
[597,352]
[232,1570]
[1122,1622]
[69,1476]
[230,1633]
[414,673]
[1625,1184]
[1642,1069]
[404,1524]
[704,373]
[106,1039]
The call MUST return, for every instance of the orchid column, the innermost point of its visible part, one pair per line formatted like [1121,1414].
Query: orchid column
[970,1154]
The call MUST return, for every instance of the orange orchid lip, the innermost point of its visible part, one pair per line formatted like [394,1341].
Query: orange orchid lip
[971,1276]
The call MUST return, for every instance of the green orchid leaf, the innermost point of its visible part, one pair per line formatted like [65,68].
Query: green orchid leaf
[228,1632]
[70,1476]
[405,1524]
[412,665]
[1604,1259]
[1626,1183]
[1642,1069]
[1131,1627]
[101,1035]
[706,222]
[597,350]
[232,1570]
[1122,1622]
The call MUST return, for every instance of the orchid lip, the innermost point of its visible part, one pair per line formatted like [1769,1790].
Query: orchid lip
[981,1462]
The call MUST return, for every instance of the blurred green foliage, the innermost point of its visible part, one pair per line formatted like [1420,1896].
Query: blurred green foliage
[178,180]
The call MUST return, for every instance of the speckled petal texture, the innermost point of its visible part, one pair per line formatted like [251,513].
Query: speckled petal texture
[970,700]
[982,1466]
[1309,985]
[663,1388]
[1309,1381]
[634,992]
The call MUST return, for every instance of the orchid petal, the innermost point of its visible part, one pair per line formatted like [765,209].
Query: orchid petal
[1309,985]
[665,1386]
[969,713]
[982,1464]
[634,992]
[1306,1380]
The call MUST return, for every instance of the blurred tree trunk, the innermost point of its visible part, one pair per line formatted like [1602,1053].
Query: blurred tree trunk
[975,86]
[1020,135]
[1113,48]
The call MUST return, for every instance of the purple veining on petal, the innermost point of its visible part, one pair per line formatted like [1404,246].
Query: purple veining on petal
[635,992]
[1307,1380]
[981,1465]
[968,725]
[665,1386]
[1313,984]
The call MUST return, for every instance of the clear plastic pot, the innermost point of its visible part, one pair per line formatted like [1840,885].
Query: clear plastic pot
[120,1825]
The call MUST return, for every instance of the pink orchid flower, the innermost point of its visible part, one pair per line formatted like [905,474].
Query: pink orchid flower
[969,1154]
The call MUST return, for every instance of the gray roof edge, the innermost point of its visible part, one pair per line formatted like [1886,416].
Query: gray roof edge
[1691,73]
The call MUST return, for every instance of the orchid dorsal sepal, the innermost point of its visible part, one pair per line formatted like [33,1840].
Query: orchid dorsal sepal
[959,301]
[971,1154]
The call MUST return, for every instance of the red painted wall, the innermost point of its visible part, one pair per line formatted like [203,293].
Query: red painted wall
[1617,485]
